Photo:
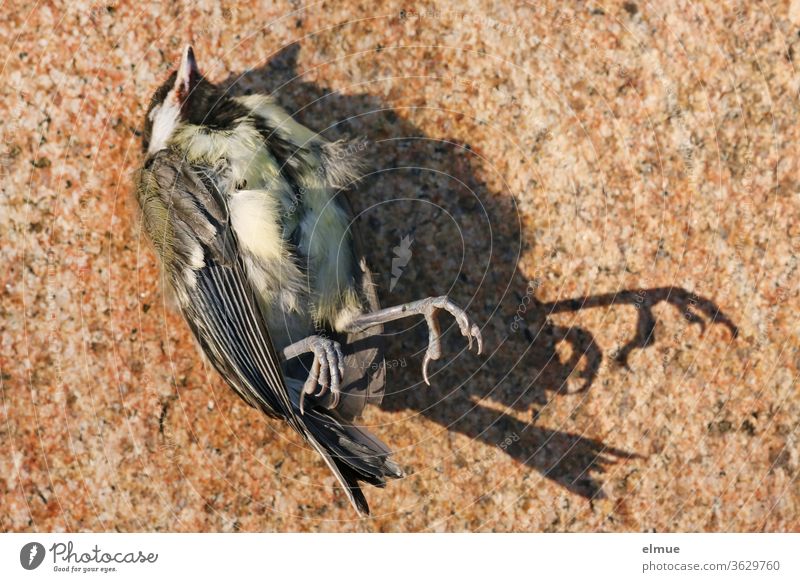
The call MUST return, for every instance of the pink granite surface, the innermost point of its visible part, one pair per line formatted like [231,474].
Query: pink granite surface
[585,176]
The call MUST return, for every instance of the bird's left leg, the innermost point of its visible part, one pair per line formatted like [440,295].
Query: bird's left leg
[430,309]
[326,371]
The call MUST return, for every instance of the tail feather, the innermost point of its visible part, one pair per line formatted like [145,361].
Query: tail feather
[348,482]
[352,453]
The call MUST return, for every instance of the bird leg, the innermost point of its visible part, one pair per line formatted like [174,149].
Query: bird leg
[429,308]
[326,371]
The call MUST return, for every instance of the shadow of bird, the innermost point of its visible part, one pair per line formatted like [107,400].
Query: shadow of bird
[488,283]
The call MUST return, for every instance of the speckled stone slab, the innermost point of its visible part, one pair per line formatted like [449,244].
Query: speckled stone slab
[610,188]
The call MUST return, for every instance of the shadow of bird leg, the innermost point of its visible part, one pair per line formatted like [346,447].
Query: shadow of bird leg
[688,303]
[645,333]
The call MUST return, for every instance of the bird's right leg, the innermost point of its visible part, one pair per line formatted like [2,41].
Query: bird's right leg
[429,308]
[327,370]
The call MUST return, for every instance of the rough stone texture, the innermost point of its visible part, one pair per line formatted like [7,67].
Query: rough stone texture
[584,176]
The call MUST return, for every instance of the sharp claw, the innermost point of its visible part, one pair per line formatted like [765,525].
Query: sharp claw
[302,399]
[477,333]
[334,399]
[425,361]
[324,379]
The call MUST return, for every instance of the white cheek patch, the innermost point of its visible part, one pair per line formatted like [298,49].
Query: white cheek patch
[165,118]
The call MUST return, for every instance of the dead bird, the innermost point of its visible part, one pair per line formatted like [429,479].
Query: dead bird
[244,208]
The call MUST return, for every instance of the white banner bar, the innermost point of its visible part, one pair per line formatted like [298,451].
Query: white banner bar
[401,557]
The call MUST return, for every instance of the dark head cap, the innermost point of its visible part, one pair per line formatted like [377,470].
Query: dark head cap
[186,97]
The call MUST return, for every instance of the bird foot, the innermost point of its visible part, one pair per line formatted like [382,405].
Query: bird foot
[325,375]
[430,308]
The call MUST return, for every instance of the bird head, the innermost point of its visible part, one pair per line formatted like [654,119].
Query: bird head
[185,98]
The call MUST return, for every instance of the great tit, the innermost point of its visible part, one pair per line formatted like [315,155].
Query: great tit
[244,207]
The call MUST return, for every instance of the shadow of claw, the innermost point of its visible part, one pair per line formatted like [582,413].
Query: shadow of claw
[583,347]
[687,303]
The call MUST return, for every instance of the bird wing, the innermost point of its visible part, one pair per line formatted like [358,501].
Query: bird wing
[186,216]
